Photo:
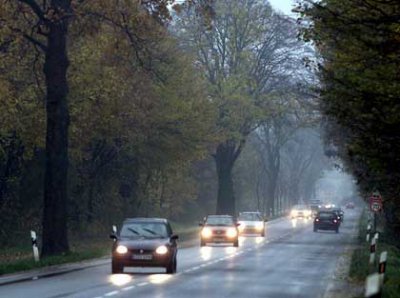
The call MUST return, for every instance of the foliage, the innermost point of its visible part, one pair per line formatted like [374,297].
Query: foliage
[138,112]
[359,69]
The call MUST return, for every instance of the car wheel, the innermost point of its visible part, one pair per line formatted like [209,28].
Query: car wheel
[171,268]
[116,267]
[236,243]
[337,230]
[315,229]
[202,243]
[263,234]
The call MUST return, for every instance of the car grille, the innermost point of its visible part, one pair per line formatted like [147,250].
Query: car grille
[219,232]
[141,251]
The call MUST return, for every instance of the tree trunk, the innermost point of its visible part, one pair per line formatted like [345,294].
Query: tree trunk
[225,158]
[55,238]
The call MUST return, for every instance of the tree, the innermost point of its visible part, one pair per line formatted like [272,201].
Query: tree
[45,27]
[240,54]
[359,45]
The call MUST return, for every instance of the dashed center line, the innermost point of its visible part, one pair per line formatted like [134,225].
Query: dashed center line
[143,284]
[128,288]
[111,293]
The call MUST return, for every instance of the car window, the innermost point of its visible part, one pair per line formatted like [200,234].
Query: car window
[219,221]
[325,215]
[300,207]
[144,229]
[250,217]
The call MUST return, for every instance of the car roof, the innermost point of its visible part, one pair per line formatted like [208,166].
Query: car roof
[146,219]
[327,211]
[223,215]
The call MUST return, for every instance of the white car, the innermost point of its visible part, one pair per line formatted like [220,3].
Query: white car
[251,223]
[301,211]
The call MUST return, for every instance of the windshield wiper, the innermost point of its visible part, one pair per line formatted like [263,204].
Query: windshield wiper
[152,232]
[134,231]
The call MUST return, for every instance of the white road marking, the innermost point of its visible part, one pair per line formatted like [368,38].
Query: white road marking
[143,284]
[128,288]
[111,293]
[195,268]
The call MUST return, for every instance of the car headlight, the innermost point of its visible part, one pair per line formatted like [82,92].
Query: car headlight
[231,233]
[206,233]
[260,226]
[121,249]
[293,213]
[161,250]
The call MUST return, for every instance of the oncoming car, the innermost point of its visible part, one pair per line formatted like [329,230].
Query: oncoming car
[251,223]
[144,242]
[301,211]
[219,229]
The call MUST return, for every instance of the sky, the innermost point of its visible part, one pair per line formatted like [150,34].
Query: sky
[284,6]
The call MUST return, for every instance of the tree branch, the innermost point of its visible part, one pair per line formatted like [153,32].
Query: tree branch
[35,7]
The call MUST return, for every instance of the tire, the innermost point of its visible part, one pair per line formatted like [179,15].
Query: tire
[171,268]
[202,243]
[116,267]
[263,234]
[337,230]
[315,229]
[236,243]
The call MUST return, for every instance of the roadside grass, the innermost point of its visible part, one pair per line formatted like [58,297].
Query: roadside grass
[20,258]
[360,267]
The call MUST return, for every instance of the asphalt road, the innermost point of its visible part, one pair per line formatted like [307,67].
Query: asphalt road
[291,261]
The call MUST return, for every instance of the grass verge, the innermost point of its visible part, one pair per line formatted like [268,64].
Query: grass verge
[18,259]
[360,268]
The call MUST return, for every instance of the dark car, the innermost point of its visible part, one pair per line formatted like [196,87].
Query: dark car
[326,220]
[219,229]
[144,242]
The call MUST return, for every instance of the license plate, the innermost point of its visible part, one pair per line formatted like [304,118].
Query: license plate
[142,257]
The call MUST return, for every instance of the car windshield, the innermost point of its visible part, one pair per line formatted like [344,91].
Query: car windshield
[325,215]
[219,221]
[250,217]
[300,207]
[144,230]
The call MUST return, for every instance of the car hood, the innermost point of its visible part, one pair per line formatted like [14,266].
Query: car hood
[143,243]
[220,227]
[249,222]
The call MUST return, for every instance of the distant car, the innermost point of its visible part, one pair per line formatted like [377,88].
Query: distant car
[144,242]
[326,220]
[251,223]
[350,205]
[301,211]
[315,205]
[219,229]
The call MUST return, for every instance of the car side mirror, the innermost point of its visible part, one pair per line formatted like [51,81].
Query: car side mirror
[238,224]
[113,237]
[265,220]
[174,237]
[201,224]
